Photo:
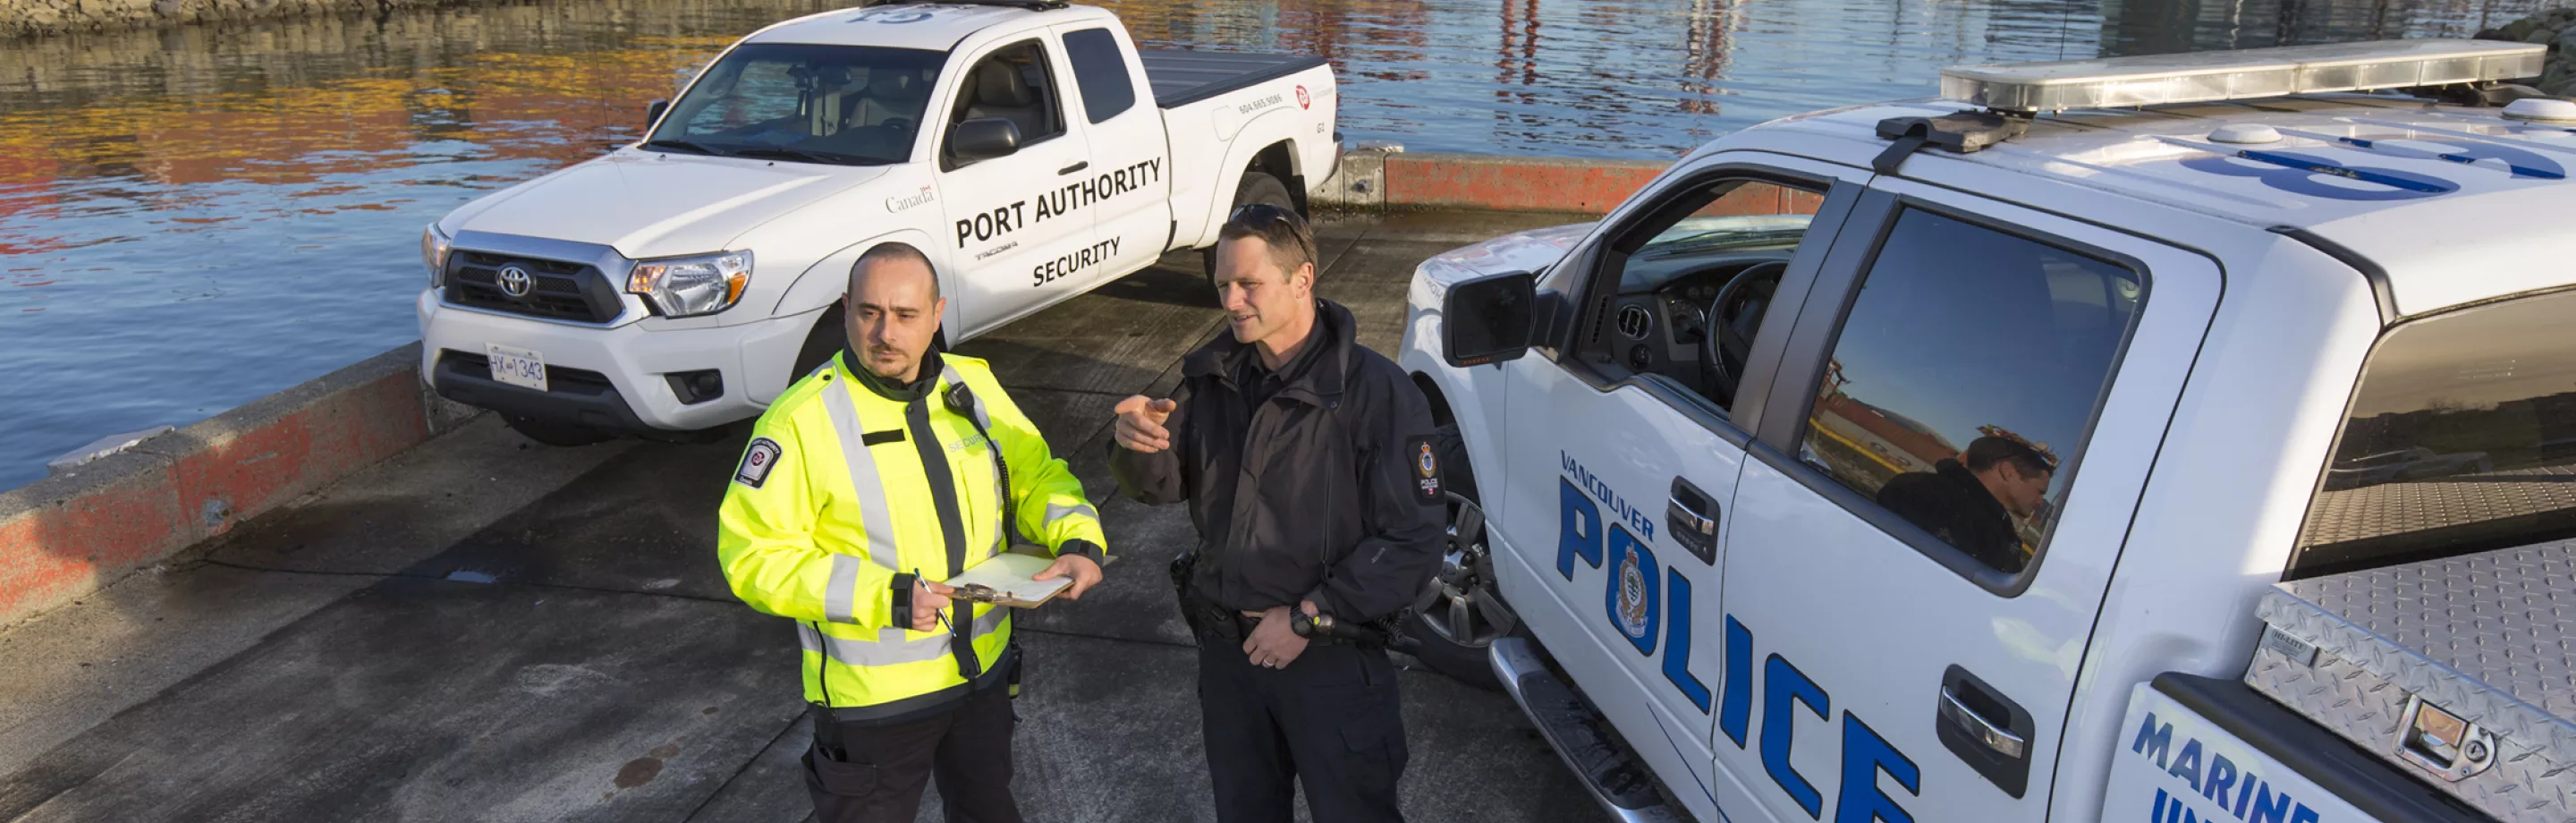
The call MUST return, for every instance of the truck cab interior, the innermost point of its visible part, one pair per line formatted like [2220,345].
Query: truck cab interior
[1695,280]
[1011,84]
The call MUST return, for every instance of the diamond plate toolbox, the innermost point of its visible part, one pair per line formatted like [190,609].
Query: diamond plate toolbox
[2461,671]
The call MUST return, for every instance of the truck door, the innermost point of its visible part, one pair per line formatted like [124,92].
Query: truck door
[1127,181]
[1009,216]
[1622,452]
[1910,584]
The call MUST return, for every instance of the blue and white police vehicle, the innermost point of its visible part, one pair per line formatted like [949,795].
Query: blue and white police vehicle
[2168,439]
[679,283]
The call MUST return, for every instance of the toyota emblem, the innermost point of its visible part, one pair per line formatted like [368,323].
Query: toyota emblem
[514,281]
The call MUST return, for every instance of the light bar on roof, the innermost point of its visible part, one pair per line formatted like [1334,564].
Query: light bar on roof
[2238,75]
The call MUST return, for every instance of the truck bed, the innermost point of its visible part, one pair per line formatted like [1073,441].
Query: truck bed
[2487,638]
[1184,77]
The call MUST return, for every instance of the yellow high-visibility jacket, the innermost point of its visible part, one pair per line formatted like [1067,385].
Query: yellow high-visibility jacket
[850,487]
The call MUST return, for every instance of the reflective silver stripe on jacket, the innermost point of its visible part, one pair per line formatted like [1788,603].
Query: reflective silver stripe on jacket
[1055,512]
[875,509]
[890,648]
[840,596]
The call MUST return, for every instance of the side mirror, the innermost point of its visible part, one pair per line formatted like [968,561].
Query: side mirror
[653,113]
[1489,319]
[983,138]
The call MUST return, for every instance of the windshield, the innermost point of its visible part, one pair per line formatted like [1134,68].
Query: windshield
[851,105]
[2461,438]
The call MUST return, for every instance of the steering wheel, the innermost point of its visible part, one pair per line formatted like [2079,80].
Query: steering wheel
[902,124]
[1732,315]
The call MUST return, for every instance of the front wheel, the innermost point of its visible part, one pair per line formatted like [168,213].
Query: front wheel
[1461,613]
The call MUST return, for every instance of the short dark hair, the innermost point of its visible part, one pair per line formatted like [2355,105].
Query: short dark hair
[1985,452]
[1291,241]
[892,252]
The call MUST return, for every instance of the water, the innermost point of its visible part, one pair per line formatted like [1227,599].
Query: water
[194,218]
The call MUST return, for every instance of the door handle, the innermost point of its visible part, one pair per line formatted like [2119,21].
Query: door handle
[1073,168]
[1692,519]
[1986,732]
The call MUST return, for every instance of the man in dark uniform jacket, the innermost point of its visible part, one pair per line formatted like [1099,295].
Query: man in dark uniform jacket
[1308,465]
[1970,501]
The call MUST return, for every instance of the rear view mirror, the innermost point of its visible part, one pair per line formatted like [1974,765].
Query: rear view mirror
[653,113]
[984,138]
[1489,319]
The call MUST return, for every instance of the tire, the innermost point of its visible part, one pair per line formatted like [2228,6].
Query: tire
[556,432]
[1466,573]
[1257,187]
[824,341]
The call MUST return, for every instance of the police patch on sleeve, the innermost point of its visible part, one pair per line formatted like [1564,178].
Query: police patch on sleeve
[1424,461]
[757,461]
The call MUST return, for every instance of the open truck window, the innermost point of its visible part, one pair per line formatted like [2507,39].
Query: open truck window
[2461,438]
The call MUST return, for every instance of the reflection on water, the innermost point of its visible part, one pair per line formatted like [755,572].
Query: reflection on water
[194,218]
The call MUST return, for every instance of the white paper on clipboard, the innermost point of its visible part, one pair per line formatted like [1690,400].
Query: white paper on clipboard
[1008,575]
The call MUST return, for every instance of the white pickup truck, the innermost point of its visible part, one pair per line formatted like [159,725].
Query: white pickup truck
[2171,439]
[680,283]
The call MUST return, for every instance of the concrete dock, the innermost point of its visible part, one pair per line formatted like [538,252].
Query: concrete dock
[482,628]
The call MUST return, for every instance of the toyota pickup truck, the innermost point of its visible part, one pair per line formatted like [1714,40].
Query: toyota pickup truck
[680,283]
[2026,454]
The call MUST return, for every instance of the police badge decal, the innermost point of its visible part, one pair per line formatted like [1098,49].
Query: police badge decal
[1632,596]
[1633,591]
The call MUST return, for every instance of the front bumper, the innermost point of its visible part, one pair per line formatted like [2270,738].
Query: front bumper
[610,377]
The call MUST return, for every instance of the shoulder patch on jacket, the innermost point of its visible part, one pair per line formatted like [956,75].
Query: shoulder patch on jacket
[757,460]
[1424,462]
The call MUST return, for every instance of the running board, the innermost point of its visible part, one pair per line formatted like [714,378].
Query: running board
[1622,785]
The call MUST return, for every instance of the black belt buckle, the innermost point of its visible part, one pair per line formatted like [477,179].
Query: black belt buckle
[1229,625]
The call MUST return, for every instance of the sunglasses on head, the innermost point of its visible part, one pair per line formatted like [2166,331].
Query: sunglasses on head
[1253,214]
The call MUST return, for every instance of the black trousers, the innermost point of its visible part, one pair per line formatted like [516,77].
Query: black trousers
[1329,720]
[879,779]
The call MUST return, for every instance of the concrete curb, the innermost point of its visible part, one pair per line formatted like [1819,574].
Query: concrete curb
[1375,179]
[70,534]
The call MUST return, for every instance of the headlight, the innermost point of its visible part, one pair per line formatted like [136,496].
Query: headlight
[691,286]
[433,252]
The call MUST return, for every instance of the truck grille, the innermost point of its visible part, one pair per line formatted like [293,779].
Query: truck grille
[555,290]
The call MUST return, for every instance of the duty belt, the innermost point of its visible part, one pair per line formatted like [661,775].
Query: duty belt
[1227,624]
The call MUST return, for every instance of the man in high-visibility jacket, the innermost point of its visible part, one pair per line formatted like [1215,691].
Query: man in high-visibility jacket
[865,483]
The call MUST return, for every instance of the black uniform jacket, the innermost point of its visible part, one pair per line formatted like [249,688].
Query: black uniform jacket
[1328,490]
[1953,505]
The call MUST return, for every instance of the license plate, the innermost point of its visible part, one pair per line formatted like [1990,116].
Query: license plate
[517,367]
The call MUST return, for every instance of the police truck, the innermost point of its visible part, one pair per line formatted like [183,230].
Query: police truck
[2156,439]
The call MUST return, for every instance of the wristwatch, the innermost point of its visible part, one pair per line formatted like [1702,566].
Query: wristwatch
[1309,626]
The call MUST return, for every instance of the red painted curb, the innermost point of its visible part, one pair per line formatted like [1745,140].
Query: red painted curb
[51,555]
[68,535]
[1514,183]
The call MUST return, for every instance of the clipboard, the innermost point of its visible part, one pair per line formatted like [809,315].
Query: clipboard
[1003,580]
